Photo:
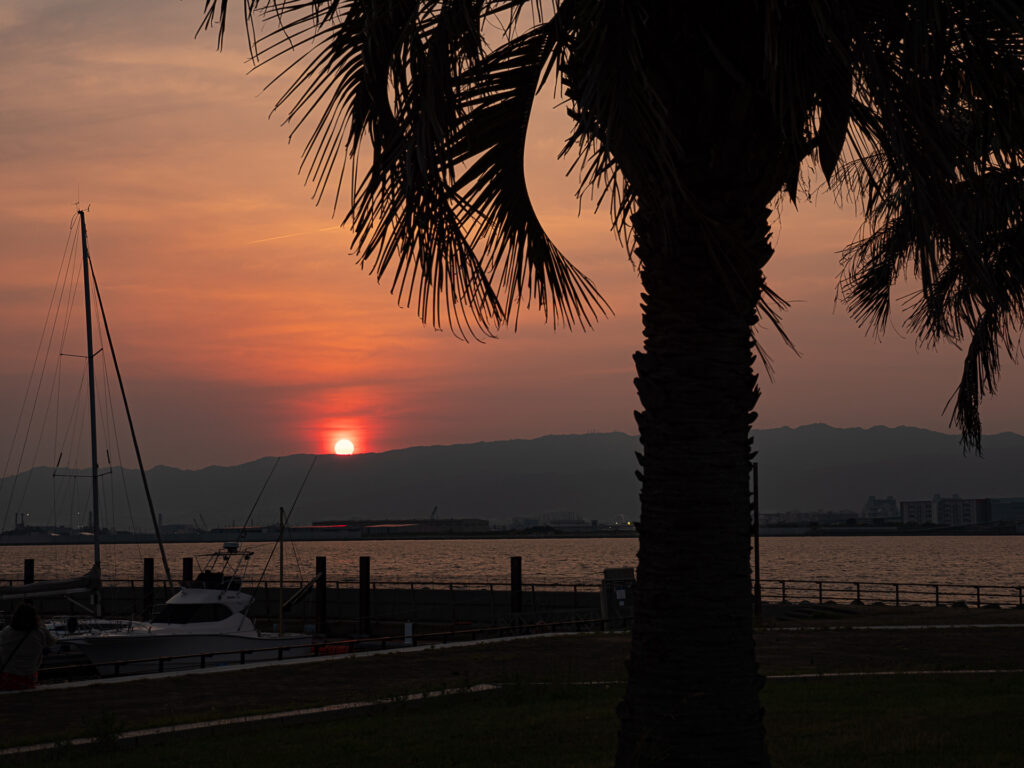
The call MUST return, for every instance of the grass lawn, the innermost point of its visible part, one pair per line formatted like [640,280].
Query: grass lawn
[961,721]
[933,721]
[521,725]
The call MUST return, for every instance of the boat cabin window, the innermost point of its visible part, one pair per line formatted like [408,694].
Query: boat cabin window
[191,613]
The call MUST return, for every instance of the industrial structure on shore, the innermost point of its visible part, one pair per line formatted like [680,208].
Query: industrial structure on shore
[321,530]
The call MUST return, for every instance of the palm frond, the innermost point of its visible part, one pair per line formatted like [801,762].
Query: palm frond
[498,96]
[613,104]
[936,155]
[440,211]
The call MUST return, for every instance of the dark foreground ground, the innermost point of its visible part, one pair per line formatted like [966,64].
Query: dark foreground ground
[796,641]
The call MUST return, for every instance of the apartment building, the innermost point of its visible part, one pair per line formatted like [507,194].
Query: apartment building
[946,511]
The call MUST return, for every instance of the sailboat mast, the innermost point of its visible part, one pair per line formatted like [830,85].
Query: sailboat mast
[131,427]
[92,415]
[280,577]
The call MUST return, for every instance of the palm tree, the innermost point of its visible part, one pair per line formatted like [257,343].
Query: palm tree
[690,128]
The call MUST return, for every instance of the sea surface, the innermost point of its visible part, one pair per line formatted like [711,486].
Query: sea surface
[984,560]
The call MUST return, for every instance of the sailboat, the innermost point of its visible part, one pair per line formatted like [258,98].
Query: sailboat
[90,582]
[205,619]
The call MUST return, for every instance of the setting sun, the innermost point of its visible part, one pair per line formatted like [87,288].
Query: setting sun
[344,447]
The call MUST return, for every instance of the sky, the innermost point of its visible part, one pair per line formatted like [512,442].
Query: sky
[244,327]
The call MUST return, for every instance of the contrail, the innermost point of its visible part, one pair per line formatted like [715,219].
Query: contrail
[293,234]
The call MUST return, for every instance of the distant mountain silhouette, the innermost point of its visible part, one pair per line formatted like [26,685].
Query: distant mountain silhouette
[590,477]
[822,467]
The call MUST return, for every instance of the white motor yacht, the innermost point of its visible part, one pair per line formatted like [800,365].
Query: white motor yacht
[204,624]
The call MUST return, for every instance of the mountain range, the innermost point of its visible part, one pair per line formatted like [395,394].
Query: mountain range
[587,477]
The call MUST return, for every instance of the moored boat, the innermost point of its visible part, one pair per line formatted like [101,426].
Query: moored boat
[205,623]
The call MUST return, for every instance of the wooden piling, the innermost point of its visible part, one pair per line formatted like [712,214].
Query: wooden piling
[517,584]
[321,595]
[147,587]
[364,595]
[30,570]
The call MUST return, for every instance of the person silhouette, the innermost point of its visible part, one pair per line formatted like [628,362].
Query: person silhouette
[22,643]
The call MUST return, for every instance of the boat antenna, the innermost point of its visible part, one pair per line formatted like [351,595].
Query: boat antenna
[298,493]
[92,420]
[131,423]
[287,518]
[245,525]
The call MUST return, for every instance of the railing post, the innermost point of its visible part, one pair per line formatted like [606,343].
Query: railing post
[977,596]
[857,585]
[897,595]
[186,570]
[783,583]
[30,570]
[1020,597]
[820,600]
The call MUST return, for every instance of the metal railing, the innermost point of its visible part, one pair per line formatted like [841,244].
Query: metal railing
[540,586]
[479,602]
[892,593]
[339,646]
[773,590]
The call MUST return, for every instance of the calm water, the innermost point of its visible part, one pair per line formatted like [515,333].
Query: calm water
[905,559]
[565,561]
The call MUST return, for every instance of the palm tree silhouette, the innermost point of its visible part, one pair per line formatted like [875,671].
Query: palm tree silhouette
[689,123]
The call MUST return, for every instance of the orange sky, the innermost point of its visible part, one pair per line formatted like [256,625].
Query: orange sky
[244,328]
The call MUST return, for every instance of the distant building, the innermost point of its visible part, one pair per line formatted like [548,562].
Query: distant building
[412,527]
[522,523]
[1011,510]
[796,517]
[572,524]
[957,511]
[916,512]
[880,509]
[179,529]
[946,511]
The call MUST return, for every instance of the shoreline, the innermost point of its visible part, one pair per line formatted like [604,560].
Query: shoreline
[34,540]
[41,539]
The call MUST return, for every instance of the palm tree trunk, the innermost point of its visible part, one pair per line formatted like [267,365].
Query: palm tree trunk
[692,695]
